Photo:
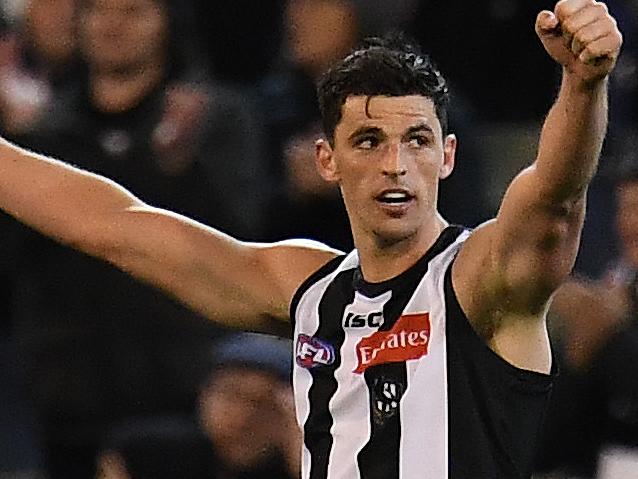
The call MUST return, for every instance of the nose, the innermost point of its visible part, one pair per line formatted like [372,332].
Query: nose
[394,163]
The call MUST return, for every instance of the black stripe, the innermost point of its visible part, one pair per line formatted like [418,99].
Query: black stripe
[325,270]
[317,435]
[380,457]
[416,271]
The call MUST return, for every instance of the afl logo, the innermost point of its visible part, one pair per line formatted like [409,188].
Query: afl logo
[311,352]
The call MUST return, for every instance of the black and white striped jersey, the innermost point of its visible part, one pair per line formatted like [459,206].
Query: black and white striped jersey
[391,381]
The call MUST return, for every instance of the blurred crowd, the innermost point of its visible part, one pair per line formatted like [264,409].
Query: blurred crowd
[207,107]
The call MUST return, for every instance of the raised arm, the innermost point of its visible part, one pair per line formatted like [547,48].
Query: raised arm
[512,265]
[239,284]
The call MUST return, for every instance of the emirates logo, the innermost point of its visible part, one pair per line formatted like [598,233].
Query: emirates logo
[408,339]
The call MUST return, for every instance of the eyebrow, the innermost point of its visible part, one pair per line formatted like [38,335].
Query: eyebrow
[420,127]
[364,130]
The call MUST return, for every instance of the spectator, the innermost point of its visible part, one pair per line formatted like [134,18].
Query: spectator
[39,62]
[246,409]
[317,33]
[98,346]
[240,38]
[595,407]
[598,246]
[155,448]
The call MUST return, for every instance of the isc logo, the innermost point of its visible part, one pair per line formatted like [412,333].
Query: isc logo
[371,320]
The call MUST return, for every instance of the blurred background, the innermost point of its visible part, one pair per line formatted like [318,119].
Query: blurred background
[207,107]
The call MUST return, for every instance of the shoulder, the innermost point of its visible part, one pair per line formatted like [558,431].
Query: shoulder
[295,262]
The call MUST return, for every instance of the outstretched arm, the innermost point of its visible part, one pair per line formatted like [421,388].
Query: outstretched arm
[513,264]
[236,283]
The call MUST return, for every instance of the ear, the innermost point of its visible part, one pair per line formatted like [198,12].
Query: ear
[449,156]
[324,158]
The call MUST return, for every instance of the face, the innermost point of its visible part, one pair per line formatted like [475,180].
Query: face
[319,32]
[110,465]
[238,411]
[627,220]
[123,34]
[388,157]
[51,28]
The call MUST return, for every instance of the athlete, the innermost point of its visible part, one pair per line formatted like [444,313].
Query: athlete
[423,353]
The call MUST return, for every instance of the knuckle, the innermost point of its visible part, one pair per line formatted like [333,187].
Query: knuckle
[582,38]
[591,51]
[562,8]
[568,26]
[567,9]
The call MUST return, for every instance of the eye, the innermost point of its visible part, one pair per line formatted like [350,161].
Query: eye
[367,143]
[417,141]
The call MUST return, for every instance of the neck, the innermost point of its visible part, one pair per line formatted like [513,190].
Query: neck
[116,91]
[383,260]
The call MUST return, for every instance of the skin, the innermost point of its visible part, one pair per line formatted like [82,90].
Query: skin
[123,35]
[504,275]
[125,45]
[590,312]
[111,466]
[396,145]
[627,220]
[319,31]
[51,28]
[241,411]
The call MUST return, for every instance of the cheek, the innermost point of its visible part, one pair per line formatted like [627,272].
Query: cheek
[627,223]
[220,416]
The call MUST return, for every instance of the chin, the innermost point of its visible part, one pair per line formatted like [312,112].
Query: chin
[249,459]
[393,235]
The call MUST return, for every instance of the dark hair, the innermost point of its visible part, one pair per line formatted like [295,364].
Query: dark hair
[389,66]
[253,351]
[161,447]
[626,172]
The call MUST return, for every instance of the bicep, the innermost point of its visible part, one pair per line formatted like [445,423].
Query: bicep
[535,238]
[238,284]
[516,261]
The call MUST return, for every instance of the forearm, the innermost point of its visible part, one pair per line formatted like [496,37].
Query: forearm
[571,139]
[56,199]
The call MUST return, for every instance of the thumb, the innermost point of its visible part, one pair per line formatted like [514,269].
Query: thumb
[547,24]
[550,33]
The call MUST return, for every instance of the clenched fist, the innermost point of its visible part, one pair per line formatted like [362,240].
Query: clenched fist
[582,36]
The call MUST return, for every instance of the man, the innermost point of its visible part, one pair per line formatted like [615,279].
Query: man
[594,407]
[246,408]
[392,377]
[163,447]
[63,301]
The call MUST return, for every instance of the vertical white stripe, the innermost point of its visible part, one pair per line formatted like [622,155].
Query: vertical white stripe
[350,405]
[424,407]
[307,322]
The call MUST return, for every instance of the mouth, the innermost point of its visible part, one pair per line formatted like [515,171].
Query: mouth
[394,196]
[395,200]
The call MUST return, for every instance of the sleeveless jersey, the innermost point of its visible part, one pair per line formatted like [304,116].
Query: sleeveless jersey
[392,382]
